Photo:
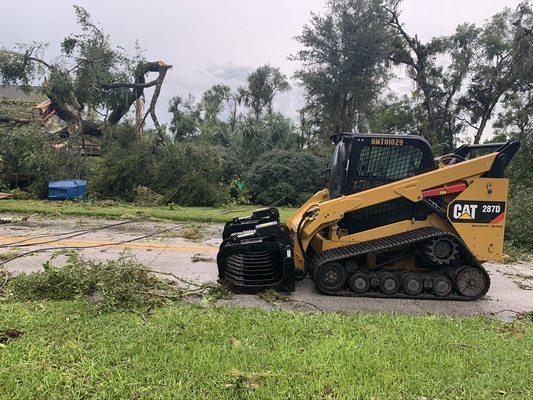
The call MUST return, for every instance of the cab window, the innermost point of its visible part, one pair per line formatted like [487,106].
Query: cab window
[379,165]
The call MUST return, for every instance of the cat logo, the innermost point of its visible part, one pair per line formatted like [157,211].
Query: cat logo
[482,212]
[465,211]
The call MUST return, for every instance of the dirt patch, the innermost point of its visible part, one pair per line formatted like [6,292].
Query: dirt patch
[9,334]
[524,281]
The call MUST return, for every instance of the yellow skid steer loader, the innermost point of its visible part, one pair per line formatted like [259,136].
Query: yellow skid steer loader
[394,222]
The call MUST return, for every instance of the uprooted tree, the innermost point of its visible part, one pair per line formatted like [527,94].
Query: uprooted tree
[91,83]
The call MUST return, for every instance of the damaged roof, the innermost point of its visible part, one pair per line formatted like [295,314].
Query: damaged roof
[11,92]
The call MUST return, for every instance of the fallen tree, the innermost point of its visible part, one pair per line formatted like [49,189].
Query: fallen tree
[91,83]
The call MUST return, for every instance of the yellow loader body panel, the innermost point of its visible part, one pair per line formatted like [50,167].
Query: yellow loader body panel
[484,239]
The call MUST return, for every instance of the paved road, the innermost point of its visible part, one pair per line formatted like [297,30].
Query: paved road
[194,258]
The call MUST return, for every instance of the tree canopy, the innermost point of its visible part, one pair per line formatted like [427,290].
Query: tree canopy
[483,64]
[344,63]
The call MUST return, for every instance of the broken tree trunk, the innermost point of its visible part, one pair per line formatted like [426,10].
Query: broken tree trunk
[10,120]
[138,117]
[137,89]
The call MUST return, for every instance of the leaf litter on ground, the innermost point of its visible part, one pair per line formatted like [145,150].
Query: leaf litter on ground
[121,284]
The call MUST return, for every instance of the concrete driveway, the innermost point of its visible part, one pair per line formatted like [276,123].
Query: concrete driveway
[189,250]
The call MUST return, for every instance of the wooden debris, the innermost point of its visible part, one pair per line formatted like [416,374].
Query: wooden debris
[12,220]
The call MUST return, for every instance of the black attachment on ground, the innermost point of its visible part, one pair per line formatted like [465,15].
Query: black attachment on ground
[260,216]
[256,260]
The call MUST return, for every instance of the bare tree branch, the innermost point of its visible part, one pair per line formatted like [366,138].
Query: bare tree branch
[40,61]
[141,70]
[155,97]
[466,122]
[124,85]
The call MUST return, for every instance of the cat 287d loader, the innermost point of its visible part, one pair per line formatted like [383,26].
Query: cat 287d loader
[394,222]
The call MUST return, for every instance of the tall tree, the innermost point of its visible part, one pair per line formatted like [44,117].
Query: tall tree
[218,102]
[213,102]
[91,77]
[344,62]
[516,117]
[185,118]
[438,86]
[263,85]
[503,61]
[395,115]
[213,117]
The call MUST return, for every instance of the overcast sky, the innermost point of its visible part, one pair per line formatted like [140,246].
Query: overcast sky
[217,41]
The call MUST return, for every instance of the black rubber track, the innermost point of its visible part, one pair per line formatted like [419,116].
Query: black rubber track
[390,243]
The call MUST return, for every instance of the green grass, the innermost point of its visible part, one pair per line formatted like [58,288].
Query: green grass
[68,351]
[119,210]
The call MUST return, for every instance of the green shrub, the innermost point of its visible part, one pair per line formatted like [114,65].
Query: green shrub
[145,196]
[239,192]
[255,136]
[282,177]
[19,194]
[190,174]
[519,225]
[29,160]
[125,164]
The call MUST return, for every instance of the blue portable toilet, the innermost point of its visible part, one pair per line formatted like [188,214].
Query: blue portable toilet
[73,189]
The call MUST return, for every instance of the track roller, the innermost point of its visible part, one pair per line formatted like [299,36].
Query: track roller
[442,286]
[412,285]
[389,284]
[359,282]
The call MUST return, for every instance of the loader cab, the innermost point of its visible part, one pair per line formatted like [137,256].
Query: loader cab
[364,161]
